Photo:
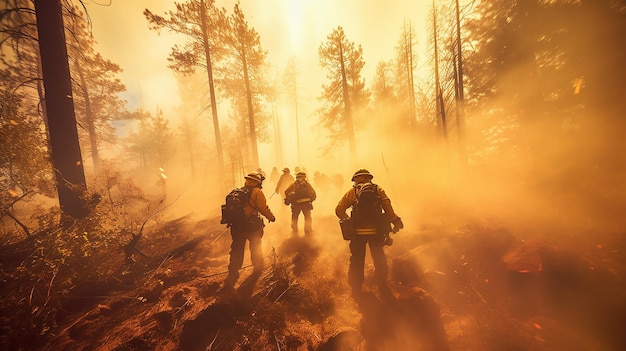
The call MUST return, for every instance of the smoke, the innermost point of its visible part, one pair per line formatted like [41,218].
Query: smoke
[533,176]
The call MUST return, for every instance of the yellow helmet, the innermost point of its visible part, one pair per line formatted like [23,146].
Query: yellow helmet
[362,171]
[257,177]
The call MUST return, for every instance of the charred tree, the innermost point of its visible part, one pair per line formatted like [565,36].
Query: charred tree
[89,117]
[407,61]
[460,97]
[441,108]
[64,146]
[291,83]
[204,28]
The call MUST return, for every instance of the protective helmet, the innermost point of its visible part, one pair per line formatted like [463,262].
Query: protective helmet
[286,170]
[360,172]
[300,175]
[257,177]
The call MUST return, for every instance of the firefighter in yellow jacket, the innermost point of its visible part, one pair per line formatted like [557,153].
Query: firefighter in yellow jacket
[371,214]
[300,195]
[251,229]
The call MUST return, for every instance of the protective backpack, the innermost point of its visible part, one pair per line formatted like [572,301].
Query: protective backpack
[233,209]
[301,191]
[366,209]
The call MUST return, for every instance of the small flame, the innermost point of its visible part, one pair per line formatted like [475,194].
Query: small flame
[577,84]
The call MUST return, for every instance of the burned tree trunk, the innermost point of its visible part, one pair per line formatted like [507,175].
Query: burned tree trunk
[64,146]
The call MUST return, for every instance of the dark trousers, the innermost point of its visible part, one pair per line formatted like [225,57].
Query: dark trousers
[357,260]
[304,208]
[237,250]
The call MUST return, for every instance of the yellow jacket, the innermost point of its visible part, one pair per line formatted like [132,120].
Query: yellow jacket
[292,187]
[257,203]
[348,199]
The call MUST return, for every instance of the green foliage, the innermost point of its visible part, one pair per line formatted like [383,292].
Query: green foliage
[58,268]
[382,86]
[388,114]
[243,79]
[197,20]
[24,164]
[345,94]
[95,87]
[204,25]
[554,69]
[18,50]
[404,78]
[248,57]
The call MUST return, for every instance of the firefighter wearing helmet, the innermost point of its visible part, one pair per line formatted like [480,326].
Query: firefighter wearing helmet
[283,182]
[300,195]
[251,230]
[371,214]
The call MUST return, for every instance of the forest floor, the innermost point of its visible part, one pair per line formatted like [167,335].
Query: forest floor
[481,286]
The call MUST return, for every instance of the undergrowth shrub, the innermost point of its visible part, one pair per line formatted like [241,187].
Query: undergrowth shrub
[68,263]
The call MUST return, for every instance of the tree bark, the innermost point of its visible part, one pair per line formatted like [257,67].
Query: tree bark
[64,146]
[251,122]
[347,105]
[89,118]
[209,68]
[460,102]
[441,108]
[410,79]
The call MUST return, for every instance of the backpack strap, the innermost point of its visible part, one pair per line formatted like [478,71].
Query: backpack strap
[357,192]
[248,190]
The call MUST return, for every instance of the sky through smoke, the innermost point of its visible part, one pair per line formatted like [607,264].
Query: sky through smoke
[286,28]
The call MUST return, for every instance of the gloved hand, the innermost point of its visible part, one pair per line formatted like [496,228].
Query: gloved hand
[397,225]
[273,219]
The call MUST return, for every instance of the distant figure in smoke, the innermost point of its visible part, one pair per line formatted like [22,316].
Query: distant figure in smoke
[283,182]
[250,229]
[371,217]
[322,182]
[274,176]
[300,195]
[338,181]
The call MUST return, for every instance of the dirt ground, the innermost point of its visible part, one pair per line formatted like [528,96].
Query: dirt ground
[478,287]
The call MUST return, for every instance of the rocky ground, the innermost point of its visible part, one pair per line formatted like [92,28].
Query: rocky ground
[481,286]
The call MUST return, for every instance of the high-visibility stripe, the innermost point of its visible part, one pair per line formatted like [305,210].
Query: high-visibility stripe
[366,231]
[303,200]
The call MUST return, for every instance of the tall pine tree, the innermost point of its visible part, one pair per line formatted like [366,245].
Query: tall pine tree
[345,92]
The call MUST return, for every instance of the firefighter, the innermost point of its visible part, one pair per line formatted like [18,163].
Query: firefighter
[283,182]
[371,220]
[250,229]
[300,195]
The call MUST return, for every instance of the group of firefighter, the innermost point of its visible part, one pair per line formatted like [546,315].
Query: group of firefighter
[300,194]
